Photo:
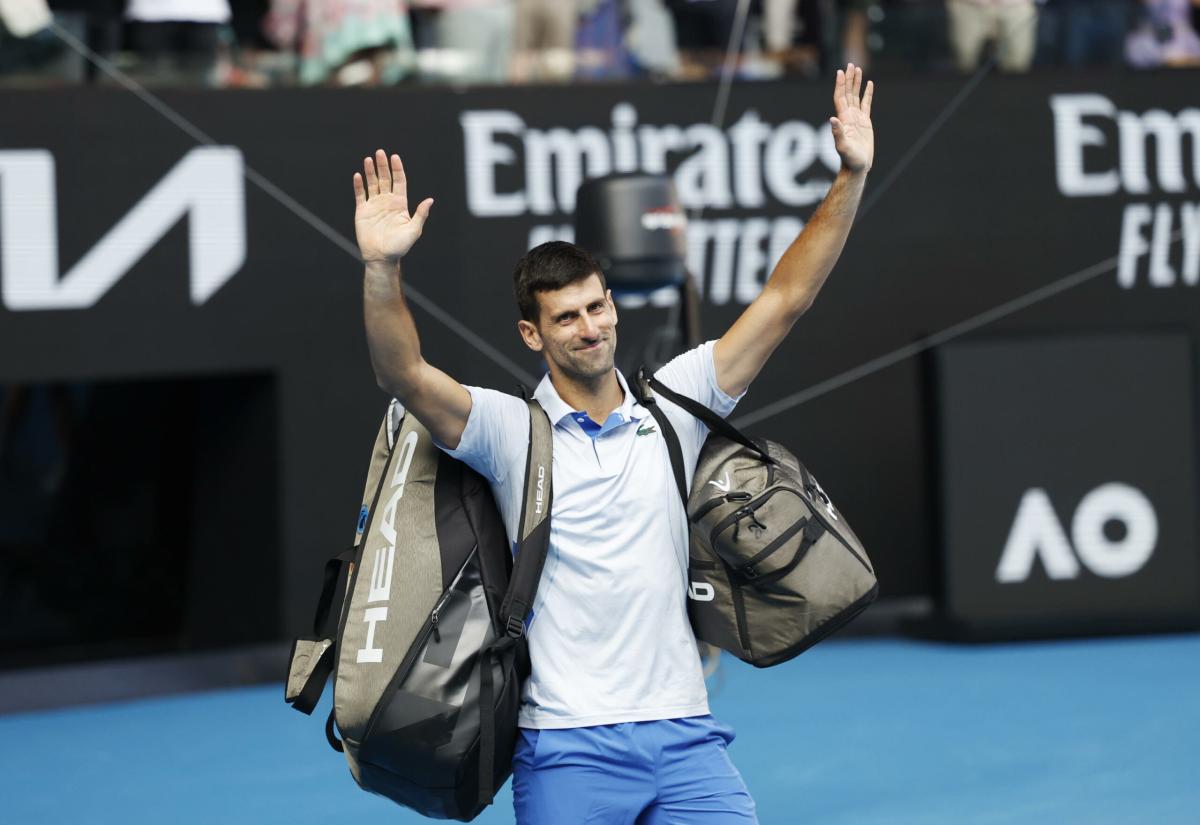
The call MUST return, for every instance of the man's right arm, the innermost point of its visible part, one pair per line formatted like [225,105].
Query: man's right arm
[437,400]
[385,232]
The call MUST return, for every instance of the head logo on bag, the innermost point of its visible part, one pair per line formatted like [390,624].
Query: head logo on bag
[385,557]
[427,683]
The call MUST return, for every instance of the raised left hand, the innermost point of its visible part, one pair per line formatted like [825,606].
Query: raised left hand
[853,134]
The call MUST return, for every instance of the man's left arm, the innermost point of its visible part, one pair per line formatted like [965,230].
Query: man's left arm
[793,286]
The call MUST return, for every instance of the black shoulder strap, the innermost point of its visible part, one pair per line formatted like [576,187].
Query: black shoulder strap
[647,400]
[533,538]
[714,422]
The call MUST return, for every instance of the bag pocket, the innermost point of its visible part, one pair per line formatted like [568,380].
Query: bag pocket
[765,537]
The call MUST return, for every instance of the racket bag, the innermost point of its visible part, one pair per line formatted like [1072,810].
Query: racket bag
[428,651]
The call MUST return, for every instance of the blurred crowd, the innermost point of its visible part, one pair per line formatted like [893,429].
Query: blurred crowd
[261,43]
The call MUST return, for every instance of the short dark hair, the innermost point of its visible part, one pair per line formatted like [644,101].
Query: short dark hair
[549,266]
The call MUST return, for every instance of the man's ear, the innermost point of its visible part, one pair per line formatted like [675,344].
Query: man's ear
[530,335]
[612,305]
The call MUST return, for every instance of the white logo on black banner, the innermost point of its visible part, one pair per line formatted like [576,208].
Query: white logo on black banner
[514,169]
[205,187]
[1085,125]
[1037,533]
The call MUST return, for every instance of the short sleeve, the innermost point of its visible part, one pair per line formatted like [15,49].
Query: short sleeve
[694,374]
[496,437]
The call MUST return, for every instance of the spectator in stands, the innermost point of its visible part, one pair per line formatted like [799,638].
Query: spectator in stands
[793,34]
[347,43]
[856,25]
[97,23]
[473,39]
[650,38]
[1010,26]
[544,40]
[25,42]
[1165,36]
[243,66]
[799,35]
[600,48]
[702,30]
[177,39]
[1084,32]
[22,18]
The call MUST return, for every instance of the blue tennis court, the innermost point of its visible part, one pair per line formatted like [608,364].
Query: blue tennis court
[856,731]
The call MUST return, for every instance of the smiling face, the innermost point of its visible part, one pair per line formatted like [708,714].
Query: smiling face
[576,330]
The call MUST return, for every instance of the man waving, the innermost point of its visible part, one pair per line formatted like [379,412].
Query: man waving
[615,726]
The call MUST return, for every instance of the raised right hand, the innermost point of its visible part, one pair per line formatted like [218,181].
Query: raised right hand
[382,223]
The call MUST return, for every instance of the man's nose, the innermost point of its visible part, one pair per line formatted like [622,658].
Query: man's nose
[591,329]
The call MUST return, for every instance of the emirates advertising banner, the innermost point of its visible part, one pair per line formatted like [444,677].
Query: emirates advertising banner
[219,240]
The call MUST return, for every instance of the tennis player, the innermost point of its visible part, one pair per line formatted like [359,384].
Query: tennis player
[615,724]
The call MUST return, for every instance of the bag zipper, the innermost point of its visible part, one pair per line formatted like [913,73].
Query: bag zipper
[743,512]
[749,509]
[437,609]
[427,629]
[710,505]
[739,614]
[773,547]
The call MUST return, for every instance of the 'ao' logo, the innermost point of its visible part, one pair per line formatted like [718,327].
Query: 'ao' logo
[1038,534]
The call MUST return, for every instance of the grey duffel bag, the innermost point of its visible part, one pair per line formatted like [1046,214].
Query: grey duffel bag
[774,566]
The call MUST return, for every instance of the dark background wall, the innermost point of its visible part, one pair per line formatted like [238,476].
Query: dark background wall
[978,217]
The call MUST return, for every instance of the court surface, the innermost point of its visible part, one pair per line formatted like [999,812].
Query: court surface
[857,731]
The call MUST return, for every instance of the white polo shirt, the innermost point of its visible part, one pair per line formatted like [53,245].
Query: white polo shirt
[609,638]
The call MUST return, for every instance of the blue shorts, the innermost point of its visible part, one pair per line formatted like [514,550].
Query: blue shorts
[668,772]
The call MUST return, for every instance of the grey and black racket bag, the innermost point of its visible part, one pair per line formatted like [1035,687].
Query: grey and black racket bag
[774,566]
[428,653]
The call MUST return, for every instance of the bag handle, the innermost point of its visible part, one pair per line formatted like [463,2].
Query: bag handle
[714,422]
[324,619]
[333,574]
[647,400]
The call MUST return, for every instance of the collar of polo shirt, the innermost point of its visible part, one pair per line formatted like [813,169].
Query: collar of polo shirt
[558,410]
